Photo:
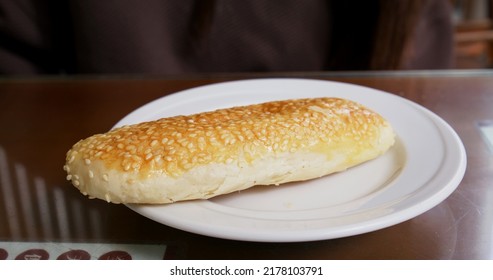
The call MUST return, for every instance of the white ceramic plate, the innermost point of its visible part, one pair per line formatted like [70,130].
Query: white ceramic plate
[420,171]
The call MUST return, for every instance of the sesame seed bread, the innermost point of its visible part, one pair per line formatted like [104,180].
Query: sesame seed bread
[208,154]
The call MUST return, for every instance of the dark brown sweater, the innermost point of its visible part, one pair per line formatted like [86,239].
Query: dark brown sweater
[191,36]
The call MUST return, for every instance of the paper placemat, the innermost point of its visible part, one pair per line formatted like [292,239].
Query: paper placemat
[80,251]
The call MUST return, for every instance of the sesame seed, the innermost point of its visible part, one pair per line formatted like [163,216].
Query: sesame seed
[87,161]
[126,167]
[91,174]
[105,178]
[157,158]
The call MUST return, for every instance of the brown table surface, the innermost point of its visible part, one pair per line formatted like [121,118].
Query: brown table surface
[40,119]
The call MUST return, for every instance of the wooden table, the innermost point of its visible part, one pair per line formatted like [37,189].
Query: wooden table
[40,118]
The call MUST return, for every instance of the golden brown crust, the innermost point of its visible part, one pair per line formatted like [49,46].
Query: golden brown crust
[172,147]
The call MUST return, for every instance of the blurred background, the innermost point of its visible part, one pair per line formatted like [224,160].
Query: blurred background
[473,24]
[167,37]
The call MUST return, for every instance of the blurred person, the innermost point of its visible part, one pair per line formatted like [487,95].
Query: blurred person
[212,36]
